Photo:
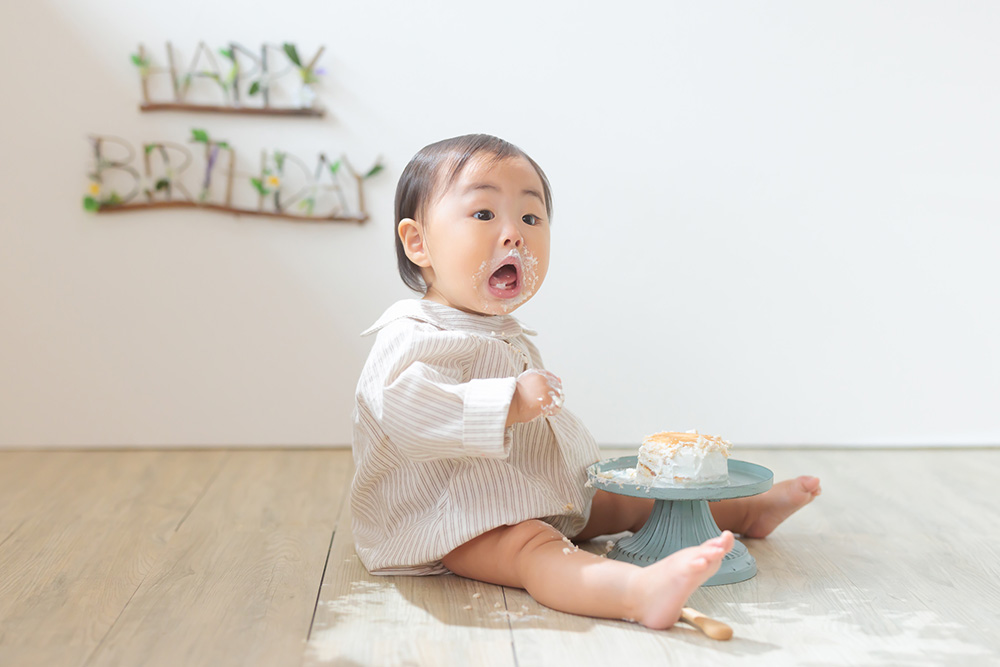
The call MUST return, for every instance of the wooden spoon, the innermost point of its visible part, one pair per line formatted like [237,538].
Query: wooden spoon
[711,627]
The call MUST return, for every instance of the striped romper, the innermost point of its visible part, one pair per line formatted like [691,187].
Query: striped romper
[435,465]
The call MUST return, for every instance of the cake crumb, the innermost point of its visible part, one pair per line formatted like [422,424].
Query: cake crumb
[510,615]
[567,550]
[467,607]
[477,595]
[589,484]
[569,507]
[497,605]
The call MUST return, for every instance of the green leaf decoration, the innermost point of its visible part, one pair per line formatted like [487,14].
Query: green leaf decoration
[90,204]
[163,184]
[334,167]
[149,148]
[254,88]
[227,53]
[292,53]
[279,159]
[137,60]
[374,170]
[222,144]
[114,199]
[199,135]
[259,187]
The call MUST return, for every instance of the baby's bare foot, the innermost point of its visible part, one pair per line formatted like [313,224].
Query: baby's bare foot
[778,503]
[662,588]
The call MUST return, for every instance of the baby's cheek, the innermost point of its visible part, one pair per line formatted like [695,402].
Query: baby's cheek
[479,274]
[531,269]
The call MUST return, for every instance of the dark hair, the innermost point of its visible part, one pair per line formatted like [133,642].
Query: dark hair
[422,179]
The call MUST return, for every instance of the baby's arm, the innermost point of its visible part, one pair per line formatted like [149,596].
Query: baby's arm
[537,393]
[425,402]
[430,411]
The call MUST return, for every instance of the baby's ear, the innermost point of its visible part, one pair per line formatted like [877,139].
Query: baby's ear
[412,237]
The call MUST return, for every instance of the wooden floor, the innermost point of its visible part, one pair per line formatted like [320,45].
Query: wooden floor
[246,558]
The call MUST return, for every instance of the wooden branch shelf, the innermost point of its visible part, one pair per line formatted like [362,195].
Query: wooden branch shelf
[221,108]
[117,208]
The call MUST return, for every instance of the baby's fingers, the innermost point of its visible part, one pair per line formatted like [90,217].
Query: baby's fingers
[554,381]
[554,405]
[546,395]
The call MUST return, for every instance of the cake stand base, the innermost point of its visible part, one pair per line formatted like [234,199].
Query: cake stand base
[678,524]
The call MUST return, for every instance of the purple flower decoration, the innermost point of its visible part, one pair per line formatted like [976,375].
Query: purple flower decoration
[212,155]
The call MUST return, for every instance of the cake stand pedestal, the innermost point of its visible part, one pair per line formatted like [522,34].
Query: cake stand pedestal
[681,517]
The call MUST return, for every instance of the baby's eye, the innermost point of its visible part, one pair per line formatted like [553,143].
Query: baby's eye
[530,219]
[483,215]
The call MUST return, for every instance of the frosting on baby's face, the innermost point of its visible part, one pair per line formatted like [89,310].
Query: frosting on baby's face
[485,240]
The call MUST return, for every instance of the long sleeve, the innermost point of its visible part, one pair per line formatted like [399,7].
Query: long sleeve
[429,413]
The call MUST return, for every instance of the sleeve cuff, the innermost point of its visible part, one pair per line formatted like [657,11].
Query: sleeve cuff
[484,418]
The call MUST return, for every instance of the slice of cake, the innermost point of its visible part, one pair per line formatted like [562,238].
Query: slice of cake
[683,459]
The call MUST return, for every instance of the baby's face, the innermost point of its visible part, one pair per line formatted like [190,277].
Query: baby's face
[487,239]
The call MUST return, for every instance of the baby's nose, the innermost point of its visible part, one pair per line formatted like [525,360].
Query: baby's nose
[512,237]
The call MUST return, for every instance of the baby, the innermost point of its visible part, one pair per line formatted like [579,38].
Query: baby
[466,461]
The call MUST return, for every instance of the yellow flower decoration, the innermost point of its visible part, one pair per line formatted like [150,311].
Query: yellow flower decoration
[274,181]
[95,188]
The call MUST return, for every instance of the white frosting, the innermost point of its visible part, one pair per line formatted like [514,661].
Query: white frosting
[620,476]
[683,462]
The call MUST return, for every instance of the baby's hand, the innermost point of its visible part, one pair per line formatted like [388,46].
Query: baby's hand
[538,393]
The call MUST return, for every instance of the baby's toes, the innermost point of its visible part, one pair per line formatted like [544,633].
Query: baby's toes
[725,541]
[810,484]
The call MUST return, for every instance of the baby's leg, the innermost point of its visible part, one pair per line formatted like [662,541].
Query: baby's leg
[758,516]
[612,513]
[536,557]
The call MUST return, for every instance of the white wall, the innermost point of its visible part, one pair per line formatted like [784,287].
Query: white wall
[775,222]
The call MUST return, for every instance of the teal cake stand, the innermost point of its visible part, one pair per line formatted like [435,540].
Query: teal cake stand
[681,517]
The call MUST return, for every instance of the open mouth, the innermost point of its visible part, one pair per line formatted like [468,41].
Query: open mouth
[505,282]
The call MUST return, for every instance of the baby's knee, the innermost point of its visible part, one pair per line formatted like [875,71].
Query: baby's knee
[528,536]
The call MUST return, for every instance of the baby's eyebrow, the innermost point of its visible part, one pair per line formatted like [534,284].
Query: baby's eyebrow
[489,186]
[535,193]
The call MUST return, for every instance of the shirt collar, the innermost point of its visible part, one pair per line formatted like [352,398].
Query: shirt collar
[450,319]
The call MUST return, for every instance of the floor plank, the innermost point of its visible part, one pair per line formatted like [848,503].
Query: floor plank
[237,584]
[91,525]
